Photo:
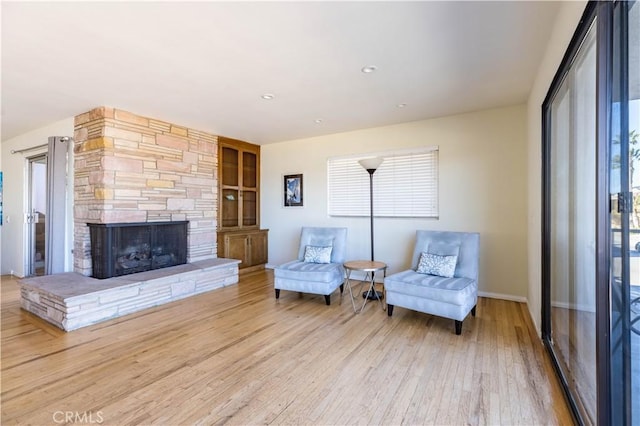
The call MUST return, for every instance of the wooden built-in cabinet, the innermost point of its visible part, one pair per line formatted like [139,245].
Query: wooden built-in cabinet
[239,233]
[251,247]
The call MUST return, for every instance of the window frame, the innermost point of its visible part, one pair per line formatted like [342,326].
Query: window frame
[414,170]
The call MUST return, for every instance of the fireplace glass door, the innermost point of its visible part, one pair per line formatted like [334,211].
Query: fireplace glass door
[128,248]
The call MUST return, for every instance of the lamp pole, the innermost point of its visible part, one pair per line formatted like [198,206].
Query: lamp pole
[371,165]
[371,172]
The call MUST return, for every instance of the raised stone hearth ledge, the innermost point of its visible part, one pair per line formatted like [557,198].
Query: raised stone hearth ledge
[71,300]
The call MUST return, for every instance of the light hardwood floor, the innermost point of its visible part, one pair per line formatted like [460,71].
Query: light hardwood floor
[575,346]
[238,356]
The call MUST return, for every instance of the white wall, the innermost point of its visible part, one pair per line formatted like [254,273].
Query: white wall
[483,184]
[14,166]
[566,23]
[3,216]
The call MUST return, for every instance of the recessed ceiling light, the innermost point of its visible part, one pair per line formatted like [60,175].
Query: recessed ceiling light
[401,105]
[318,120]
[268,96]
[369,69]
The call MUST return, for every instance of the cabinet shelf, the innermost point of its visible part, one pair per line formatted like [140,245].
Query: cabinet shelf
[239,233]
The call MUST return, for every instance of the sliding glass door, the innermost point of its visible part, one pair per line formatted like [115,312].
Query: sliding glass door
[625,214]
[572,218]
[591,216]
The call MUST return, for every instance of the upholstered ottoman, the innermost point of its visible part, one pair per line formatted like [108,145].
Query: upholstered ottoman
[451,296]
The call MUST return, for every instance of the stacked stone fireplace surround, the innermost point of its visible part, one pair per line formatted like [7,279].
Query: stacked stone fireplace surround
[136,169]
[129,168]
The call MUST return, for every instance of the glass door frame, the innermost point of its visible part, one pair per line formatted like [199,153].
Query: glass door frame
[620,367]
[603,211]
[31,219]
[586,21]
[603,13]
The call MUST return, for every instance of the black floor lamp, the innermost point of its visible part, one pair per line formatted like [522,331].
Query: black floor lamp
[371,165]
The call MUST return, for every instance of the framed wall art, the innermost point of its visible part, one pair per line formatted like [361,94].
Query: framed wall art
[293,195]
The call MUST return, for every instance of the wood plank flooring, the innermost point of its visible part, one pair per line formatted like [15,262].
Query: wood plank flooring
[238,356]
[575,346]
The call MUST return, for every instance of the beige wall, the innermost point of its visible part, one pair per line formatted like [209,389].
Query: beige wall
[489,182]
[14,166]
[566,23]
[483,184]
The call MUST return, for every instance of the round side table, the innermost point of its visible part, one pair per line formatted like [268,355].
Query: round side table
[370,268]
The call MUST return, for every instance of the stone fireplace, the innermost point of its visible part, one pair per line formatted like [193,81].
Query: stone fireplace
[134,169]
[136,174]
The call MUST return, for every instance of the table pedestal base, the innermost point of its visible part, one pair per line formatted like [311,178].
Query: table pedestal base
[371,295]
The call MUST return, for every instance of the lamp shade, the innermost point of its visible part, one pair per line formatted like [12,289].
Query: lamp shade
[371,163]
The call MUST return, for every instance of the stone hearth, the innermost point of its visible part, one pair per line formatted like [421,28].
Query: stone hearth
[72,300]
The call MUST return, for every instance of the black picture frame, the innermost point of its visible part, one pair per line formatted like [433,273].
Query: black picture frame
[293,190]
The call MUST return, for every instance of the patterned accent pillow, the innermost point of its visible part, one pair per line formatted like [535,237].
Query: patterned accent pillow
[434,264]
[317,254]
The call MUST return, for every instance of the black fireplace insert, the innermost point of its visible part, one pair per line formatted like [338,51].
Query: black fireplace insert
[126,248]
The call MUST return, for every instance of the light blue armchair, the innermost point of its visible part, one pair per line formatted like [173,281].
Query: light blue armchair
[318,267]
[443,279]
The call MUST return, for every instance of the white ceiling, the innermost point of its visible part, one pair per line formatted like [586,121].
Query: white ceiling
[205,65]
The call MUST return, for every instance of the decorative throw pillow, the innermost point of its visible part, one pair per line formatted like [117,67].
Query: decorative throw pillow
[317,254]
[434,264]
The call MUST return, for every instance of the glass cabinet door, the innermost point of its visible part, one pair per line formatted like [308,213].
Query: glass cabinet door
[230,208]
[249,208]
[230,203]
[249,189]
[230,164]
[239,183]
[249,170]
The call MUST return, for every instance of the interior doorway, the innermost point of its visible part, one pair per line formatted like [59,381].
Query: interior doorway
[37,206]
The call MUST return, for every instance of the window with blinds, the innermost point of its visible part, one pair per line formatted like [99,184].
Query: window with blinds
[404,185]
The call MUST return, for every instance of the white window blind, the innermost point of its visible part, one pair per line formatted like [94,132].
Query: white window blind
[405,185]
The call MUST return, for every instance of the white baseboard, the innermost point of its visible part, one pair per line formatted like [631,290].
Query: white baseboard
[574,306]
[502,296]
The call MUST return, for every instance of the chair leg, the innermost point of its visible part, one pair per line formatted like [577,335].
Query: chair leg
[389,310]
[473,311]
[327,299]
[277,293]
[458,327]
[341,288]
